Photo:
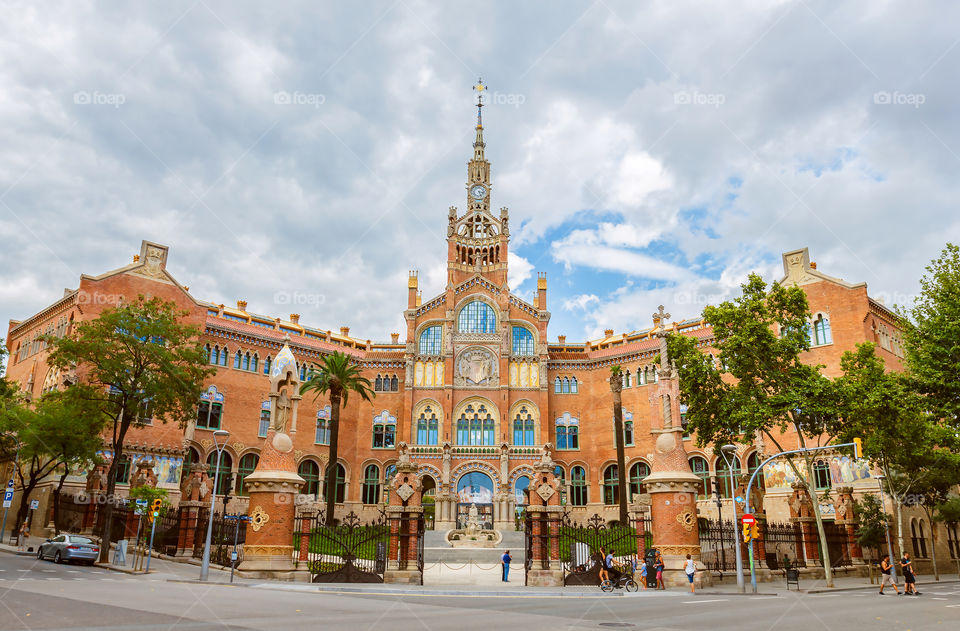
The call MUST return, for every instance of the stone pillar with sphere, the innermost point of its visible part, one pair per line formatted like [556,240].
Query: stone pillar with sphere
[543,514]
[272,487]
[405,523]
[671,484]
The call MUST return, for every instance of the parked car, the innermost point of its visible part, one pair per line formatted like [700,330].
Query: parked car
[69,548]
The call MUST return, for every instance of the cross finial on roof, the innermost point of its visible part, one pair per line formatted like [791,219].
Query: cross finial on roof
[660,316]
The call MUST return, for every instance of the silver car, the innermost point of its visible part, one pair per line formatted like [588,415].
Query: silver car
[69,548]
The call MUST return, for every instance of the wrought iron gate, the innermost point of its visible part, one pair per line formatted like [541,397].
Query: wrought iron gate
[349,552]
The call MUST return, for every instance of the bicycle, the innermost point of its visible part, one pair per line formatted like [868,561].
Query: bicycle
[623,581]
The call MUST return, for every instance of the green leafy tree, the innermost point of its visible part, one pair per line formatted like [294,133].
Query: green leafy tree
[898,433]
[138,354]
[336,377]
[616,387]
[759,387]
[57,430]
[871,531]
[948,512]
[932,337]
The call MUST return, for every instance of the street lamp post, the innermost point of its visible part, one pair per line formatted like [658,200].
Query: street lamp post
[16,463]
[886,527]
[731,450]
[220,440]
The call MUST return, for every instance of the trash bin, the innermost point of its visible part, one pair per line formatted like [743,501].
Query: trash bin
[651,559]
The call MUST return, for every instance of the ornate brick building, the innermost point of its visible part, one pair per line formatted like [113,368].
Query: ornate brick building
[474,389]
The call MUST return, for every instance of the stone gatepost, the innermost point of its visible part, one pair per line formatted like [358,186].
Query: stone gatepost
[847,520]
[672,485]
[405,521]
[195,485]
[445,501]
[801,512]
[273,486]
[543,515]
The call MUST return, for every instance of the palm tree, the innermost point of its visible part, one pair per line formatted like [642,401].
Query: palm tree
[616,386]
[338,377]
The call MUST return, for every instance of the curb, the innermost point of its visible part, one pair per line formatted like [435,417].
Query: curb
[387,591]
[830,590]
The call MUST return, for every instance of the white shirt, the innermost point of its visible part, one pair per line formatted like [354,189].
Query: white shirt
[691,567]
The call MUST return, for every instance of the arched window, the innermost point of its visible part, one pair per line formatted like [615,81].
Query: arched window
[753,463]
[521,485]
[253,362]
[394,384]
[248,465]
[953,540]
[611,488]
[323,427]
[267,364]
[557,386]
[638,472]
[475,426]
[207,353]
[303,371]
[578,486]
[723,475]
[523,427]
[573,385]
[922,552]
[428,427]
[568,432]
[700,468]
[123,470]
[378,384]
[340,488]
[264,419]
[626,378]
[209,412]
[226,464]
[627,429]
[310,472]
[821,475]
[523,343]
[237,359]
[246,361]
[384,430]
[821,331]
[641,376]
[477,317]
[431,340]
[192,457]
[371,484]
[566,386]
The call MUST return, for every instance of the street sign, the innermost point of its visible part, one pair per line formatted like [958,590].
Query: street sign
[748,519]
[7,498]
[10,484]
[34,504]
[739,499]
[141,502]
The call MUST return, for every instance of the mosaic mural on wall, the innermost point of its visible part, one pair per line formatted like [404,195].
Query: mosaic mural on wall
[844,470]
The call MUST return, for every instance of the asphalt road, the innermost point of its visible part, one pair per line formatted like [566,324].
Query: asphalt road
[42,595]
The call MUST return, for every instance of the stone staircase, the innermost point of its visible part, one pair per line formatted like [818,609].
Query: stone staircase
[436,548]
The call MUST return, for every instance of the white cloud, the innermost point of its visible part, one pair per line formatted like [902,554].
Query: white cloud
[520,269]
[580,302]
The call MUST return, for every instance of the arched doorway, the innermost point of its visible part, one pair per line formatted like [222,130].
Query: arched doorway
[475,488]
[429,501]
[520,496]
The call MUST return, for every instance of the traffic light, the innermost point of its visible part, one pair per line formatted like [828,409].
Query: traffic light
[747,533]
[857,448]
[154,508]
[754,531]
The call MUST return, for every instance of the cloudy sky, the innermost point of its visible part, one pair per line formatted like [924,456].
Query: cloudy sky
[302,156]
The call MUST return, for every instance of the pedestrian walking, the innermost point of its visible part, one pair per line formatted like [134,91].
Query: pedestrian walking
[604,573]
[505,562]
[24,534]
[658,566]
[886,577]
[643,574]
[690,569]
[909,580]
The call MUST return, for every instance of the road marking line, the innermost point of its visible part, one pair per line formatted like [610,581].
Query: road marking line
[712,600]
[935,598]
[764,597]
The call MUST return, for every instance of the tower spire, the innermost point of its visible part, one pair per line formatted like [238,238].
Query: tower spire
[478,143]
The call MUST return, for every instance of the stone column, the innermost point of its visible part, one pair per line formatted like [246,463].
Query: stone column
[846,519]
[404,516]
[544,512]
[272,487]
[801,513]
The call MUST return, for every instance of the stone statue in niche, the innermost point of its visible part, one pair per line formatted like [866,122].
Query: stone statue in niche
[282,413]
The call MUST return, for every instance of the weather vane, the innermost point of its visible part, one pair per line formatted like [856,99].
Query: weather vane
[479,88]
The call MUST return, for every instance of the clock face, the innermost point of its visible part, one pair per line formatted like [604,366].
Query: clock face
[478,191]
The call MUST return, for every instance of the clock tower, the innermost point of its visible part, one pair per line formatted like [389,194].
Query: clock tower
[477,240]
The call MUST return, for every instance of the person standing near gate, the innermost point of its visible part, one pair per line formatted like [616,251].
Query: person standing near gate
[505,562]
[658,566]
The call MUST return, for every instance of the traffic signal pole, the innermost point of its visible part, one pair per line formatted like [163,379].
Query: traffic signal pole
[856,444]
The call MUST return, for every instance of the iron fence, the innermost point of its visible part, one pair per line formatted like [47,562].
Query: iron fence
[718,544]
